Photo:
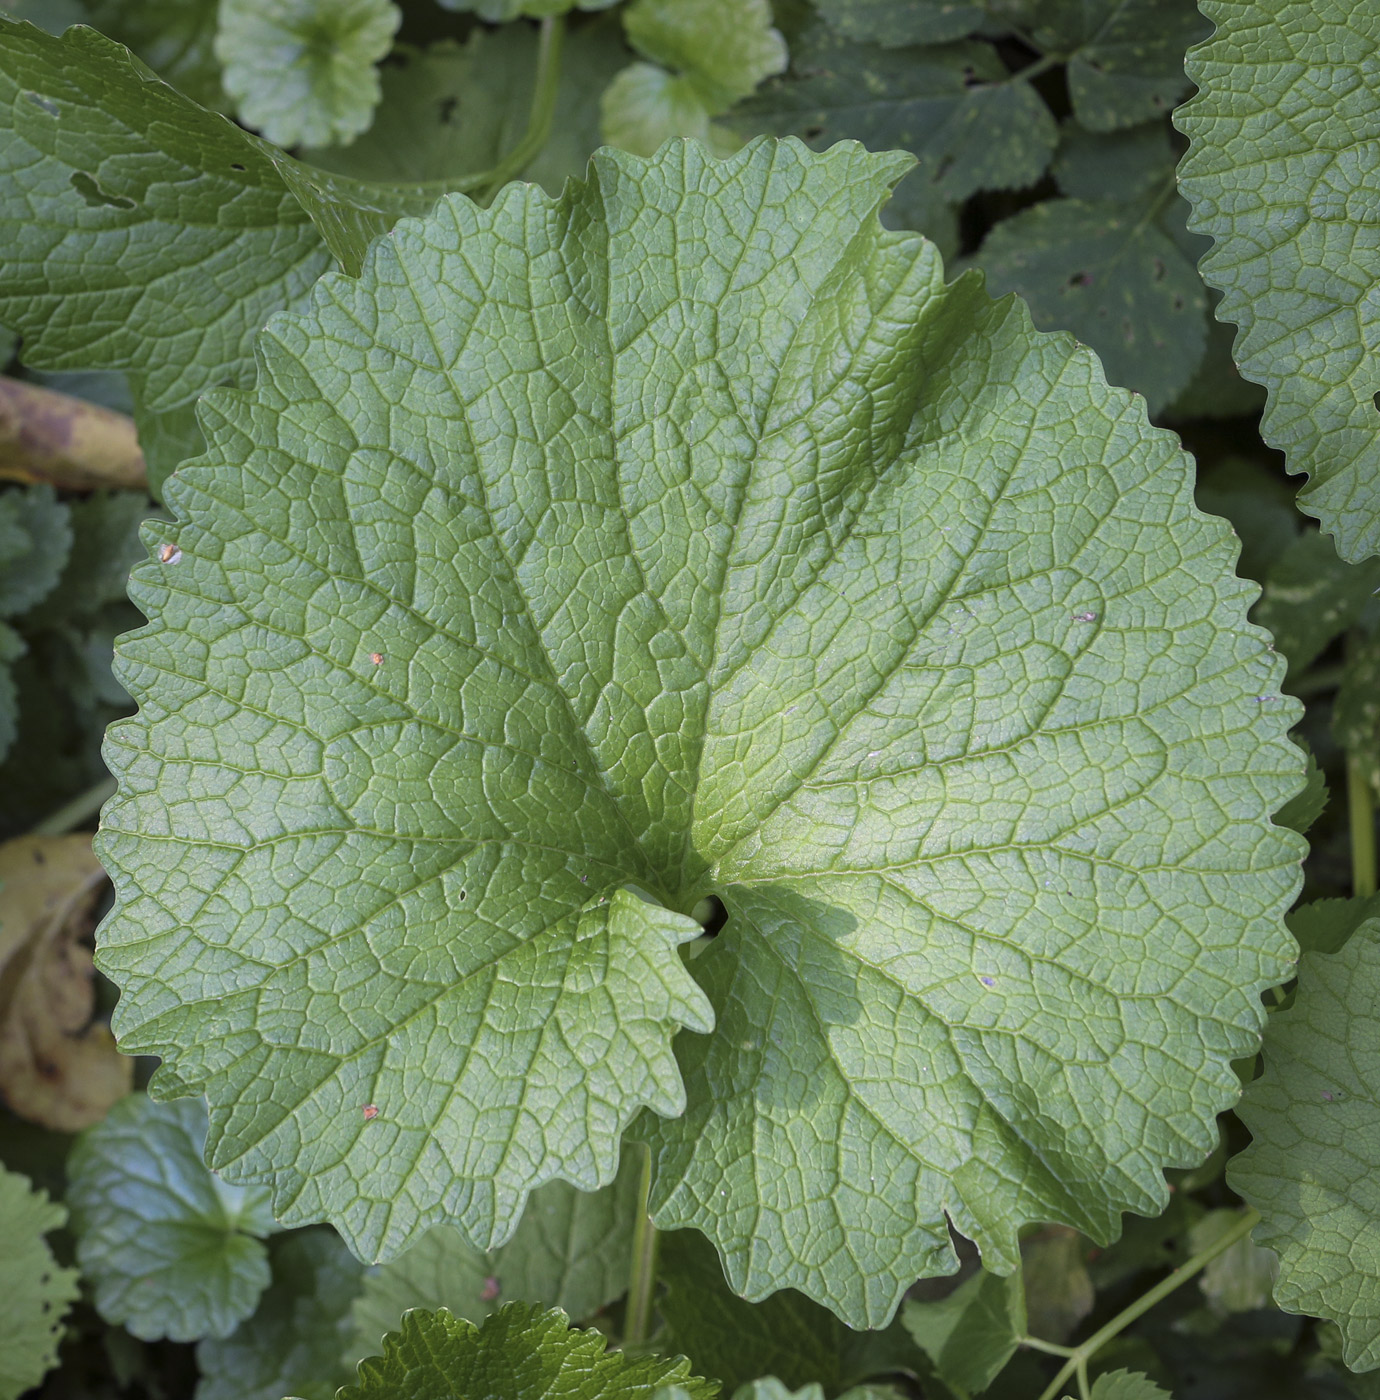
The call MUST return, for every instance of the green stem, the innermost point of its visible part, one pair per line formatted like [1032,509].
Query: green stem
[1082,1354]
[78,811]
[542,111]
[637,1323]
[1361,816]
[1053,1348]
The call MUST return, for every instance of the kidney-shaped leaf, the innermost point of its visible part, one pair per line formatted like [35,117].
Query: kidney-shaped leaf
[687,536]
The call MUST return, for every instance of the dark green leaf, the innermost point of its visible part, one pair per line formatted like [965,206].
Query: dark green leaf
[1356,718]
[174,37]
[294,1342]
[1112,274]
[1121,165]
[1240,1278]
[1325,925]
[1302,810]
[895,23]
[970,1335]
[1058,1291]
[519,1353]
[1260,506]
[170,1249]
[35,541]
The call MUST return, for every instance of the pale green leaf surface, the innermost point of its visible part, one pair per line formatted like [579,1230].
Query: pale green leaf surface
[1314,1117]
[570,1251]
[645,106]
[174,37]
[1111,273]
[303,71]
[1239,1279]
[141,232]
[1284,134]
[520,1353]
[35,541]
[789,575]
[970,1335]
[895,23]
[956,109]
[723,48]
[34,1291]
[294,1342]
[1310,597]
[1324,925]
[786,1336]
[1127,1385]
[1126,57]
[170,1249]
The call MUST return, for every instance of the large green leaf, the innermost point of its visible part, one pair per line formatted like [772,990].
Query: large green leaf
[1279,172]
[1314,1116]
[689,536]
[520,1353]
[169,1247]
[34,1291]
[302,71]
[141,232]
[570,1251]
[296,1339]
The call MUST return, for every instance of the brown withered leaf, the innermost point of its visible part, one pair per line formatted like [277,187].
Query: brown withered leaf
[58,1067]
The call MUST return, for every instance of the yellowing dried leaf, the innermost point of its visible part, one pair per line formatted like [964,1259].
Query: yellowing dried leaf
[57,1067]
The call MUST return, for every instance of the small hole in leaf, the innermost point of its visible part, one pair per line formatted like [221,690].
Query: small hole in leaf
[1160,269]
[1080,279]
[462,896]
[1375,399]
[1178,303]
[235,165]
[446,109]
[94,195]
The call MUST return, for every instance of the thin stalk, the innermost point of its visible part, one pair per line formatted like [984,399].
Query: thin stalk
[1082,1354]
[78,811]
[542,111]
[1361,818]
[1053,1348]
[637,1324]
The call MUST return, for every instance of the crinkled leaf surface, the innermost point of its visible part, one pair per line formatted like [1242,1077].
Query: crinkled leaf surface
[296,1339]
[1126,57]
[784,1336]
[302,71]
[141,232]
[970,124]
[1284,134]
[168,1246]
[1314,1117]
[688,535]
[520,1353]
[1111,273]
[34,1291]
[570,1251]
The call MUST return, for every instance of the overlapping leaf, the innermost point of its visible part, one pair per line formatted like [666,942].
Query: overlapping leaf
[687,535]
[1314,1116]
[1284,134]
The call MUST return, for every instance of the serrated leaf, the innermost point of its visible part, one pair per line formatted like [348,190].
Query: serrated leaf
[302,71]
[970,124]
[896,23]
[970,1335]
[35,540]
[786,1336]
[723,48]
[570,1251]
[171,1250]
[1238,1279]
[141,232]
[520,1353]
[930,672]
[1325,925]
[34,1292]
[1127,1385]
[1282,140]
[1126,57]
[58,1065]
[294,1342]
[1313,1116]
[1111,273]
[1310,597]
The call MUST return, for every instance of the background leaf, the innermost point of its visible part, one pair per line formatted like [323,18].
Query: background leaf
[1283,133]
[170,1248]
[1312,1115]
[970,1335]
[34,1291]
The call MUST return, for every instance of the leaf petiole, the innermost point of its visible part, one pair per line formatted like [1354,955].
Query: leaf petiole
[637,1323]
[540,114]
[1080,1356]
